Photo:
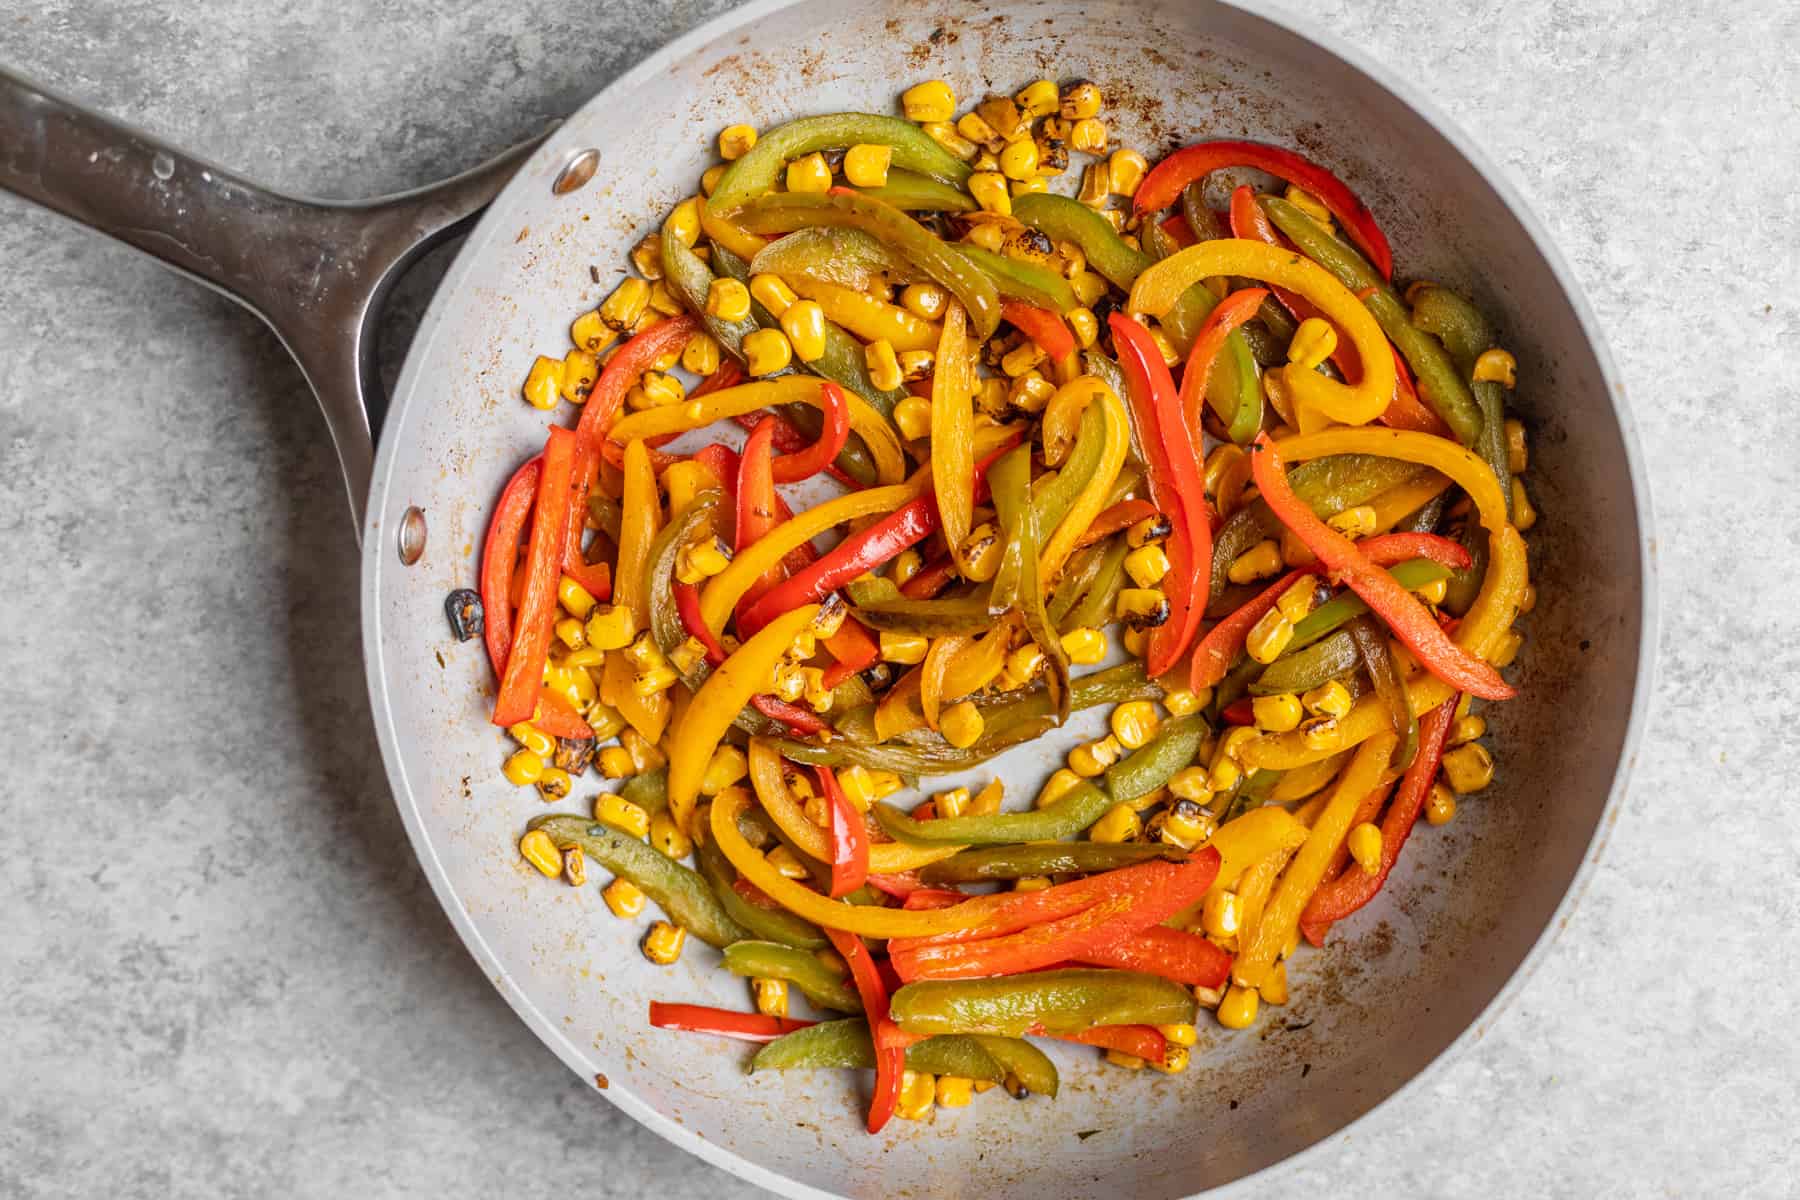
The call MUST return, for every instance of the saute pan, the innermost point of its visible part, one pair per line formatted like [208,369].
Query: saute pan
[1425,967]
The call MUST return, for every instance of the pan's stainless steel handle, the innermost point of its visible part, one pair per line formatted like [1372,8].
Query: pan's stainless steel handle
[317,272]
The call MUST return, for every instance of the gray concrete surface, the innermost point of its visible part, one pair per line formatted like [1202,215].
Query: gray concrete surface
[222,973]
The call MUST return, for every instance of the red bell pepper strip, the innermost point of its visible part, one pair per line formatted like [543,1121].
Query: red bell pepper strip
[724,463]
[1162,187]
[1042,326]
[1409,620]
[1122,515]
[1172,953]
[1406,410]
[729,374]
[798,719]
[687,607]
[756,501]
[558,718]
[1176,488]
[597,579]
[626,366]
[854,648]
[1144,1041]
[804,464]
[890,1051]
[500,556]
[931,579]
[1226,316]
[1356,887]
[1179,231]
[899,885]
[789,440]
[524,675]
[849,837]
[723,1022]
[933,898]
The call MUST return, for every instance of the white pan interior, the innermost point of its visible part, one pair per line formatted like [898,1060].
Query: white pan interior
[1394,989]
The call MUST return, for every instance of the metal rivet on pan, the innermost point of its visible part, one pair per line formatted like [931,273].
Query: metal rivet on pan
[412,535]
[576,172]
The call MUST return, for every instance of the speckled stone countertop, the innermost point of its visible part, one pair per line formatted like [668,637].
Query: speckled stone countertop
[222,972]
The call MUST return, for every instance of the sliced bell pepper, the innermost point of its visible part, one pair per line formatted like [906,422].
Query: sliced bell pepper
[626,366]
[1171,953]
[1063,219]
[756,503]
[1067,815]
[1057,1003]
[1164,184]
[1139,1041]
[789,440]
[1225,640]
[678,891]
[885,858]
[558,718]
[848,1044]
[722,1022]
[755,173]
[1025,860]
[524,674]
[1153,764]
[1114,518]
[953,433]
[500,557]
[1016,279]
[849,838]
[931,579]
[1231,312]
[920,193]
[1046,330]
[641,518]
[890,1059]
[1017,584]
[1356,887]
[1095,488]
[1378,664]
[804,464]
[820,984]
[760,916]
[870,319]
[1176,487]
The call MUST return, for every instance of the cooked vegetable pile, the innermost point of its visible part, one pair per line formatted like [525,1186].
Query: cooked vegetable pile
[1001,400]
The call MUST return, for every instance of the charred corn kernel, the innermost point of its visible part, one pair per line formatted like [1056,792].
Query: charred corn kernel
[767,352]
[1141,608]
[1019,160]
[1147,531]
[644,653]
[961,724]
[1056,787]
[1175,1058]
[1468,768]
[1119,1058]
[663,300]
[1277,714]
[523,768]
[954,143]
[1524,515]
[1467,729]
[1088,135]
[623,898]
[1309,204]
[554,784]
[771,996]
[788,683]
[1134,723]
[903,648]
[1085,646]
[646,256]
[912,415]
[615,763]
[1440,805]
[1186,824]
[709,178]
[604,721]
[579,370]
[1021,358]
[698,561]
[981,552]
[1119,823]
[1274,987]
[1496,366]
[972,126]
[1096,187]
[1181,701]
[955,1091]
[809,173]
[1321,733]
[817,696]
[1312,343]
[662,389]
[830,617]
[1433,592]
[622,309]
[543,384]
[1258,562]
[867,165]
[1147,565]
[1091,758]
[1230,747]
[612,809]
[1221,914]
[590,333]
[728,300]
[532,738]
[915,364]
[804,324]
[1329,699]
[1365,846]
[574,866]
[990,397]
[1037,99]
[1084,325]
[1269,636]
[932,100]
[1517,455]
[953,803]
[925,300]
[783,860]
[1024,662]
[610,626]
[1079,100]
[906,565]
[772,292]
[1030,391]
[662,945]
[1125,169]
[1237,1010]
[1358,521]
[726,766]
[540,851]
[918,1093]
[990,191]
[735,141]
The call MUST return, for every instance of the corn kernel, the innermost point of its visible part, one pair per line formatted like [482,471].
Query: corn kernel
[624,898]
[771,996]
[1141,608]
[1060,783]
[961,724]
[1175,1059]
[1329,699]
[1269,636]
[1433,592]
[1024,662]
[1496,366]
[867,165]
[1091,758]
[1221,914]
[663,300]
[1096,187]
[809,173]
[1186,825]
[971,126]
[622,309]
[540,851]
[804,324]
[696,562]
[610,626]
[990,397]
[662,389]
[1021,358]
[1467,729]
[1125,169]
[1027,187]
[579,370]
[1147,565]
[615,763]
[915,364]
[1365,846]
[1207,997]
[954,143]
[1019,160]
[767,352]
[735,141]
[918,1093]
[1238,1008]
[1440,805]
[1084,325]
[728,300]
[533,739]
[1258,562]
[1036,99]
[988,800]
[1309,204]
[785,861]
[1468,768]
[1181,1034]
[1031,883]
[553,784]
[543,384]
[772,292]
[1321,733]
[1524,515]
[1277,714]
[1358,521]
[663,944]
[709,178]
[955,1091]
[1191,783]
[1182,701]
[932,100]
[1134,723]
[990,191]
[1089,288]
[1084,646]
[1120,823]
[612,809]
[523,768]
[1030,392]
[590,333]
[905,648]
[1313,342]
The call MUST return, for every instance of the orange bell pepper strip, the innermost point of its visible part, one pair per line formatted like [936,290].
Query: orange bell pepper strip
[524,674]
[849,837]
[558,718]
[1122,515]
[1409,620]
[1226,316]
[890,1052]
[500,558]
[1046,330]
[953,433]
[854,648]
[722,1022]
[1140,1041]
[1172,953]
[641,517]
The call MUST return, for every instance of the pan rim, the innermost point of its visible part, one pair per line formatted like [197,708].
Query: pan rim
[376,560]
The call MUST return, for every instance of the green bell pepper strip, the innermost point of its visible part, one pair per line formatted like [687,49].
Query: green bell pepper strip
[928,618]
[1051,503]
[688,276]
[1055,1002]
[1425,518]
[1454,322]
[820,984]
[756,172]
[1107,371]
[1020,280]
[1077,577]
[1326,659]
[1378,664]
[1205,223]
[925,756]
[1465,585]
[1022,1061]
[1016,584]
[1098,603]
[788,211]
[1229,689]
[1065,220]
[1155,762]
[1066,816]
[1156,241]
[1490,398]
[1045,858]
[763,924]
[832,254]
[846,1045]
[649,791]
[1440,384]
[1114,685]
[1250,792]
[1413,573]
[679,892]
[912,192]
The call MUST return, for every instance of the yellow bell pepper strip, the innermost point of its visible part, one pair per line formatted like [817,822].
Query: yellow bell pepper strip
[1409,620]
[719,701]
[883,443]
[953,433]
[1302,782]
[971,915]
[641,518]
[969,673]
[870,319]
[1095,490]
[931,675]
[1259,834]
[724,232]
[1281,920]
[885,858]
[1158,287]
[755,173]
[1398,503]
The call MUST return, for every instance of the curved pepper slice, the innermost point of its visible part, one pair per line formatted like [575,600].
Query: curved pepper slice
[641,517]
[1139,1041]
[755,173]
[1231,312]
[1159,286]
[1046,330]
[681,893]
[756,502]
[1063,219]
[819,456]
[1163,186]
[524,674]
[1416,628]
[1067,815]
[500,557]
[722,1022]
[1095,488]
[953,433]
[626,366]
[890,1057]
[885,858]
[849,838]
[870,319]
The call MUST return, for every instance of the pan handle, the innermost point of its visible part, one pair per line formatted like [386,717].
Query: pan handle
[317,272]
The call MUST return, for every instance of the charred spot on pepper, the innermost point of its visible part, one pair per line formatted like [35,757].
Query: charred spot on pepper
[467,618]
[878,676]
[574,755]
